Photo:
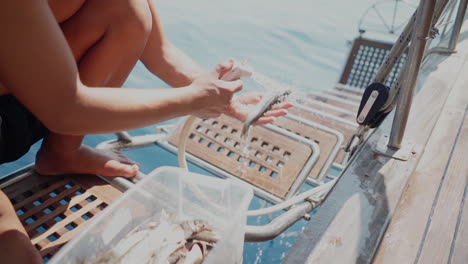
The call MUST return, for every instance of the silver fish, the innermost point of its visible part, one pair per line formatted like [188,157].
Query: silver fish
[163,242]
[263,106]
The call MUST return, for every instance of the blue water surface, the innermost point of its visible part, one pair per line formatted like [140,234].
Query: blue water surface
[302,43]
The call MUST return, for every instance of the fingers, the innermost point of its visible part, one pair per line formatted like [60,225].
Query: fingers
[254,98]
[282,105]
[249,98]
[270,116]
[264,120]
[234,86]
[222,68]
[279,112]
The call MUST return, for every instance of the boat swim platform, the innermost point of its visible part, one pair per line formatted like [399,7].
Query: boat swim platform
[272,161]
[53,209]
[217,142]
[384,210]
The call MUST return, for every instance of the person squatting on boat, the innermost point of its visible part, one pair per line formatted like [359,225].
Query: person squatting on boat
[57,61]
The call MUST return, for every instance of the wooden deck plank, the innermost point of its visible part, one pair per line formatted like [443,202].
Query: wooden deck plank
[346,129]
[459,254]
[405,234]
[351,106]
[350,223]
[440,233]
[358,93]
[346,96]
[348,115]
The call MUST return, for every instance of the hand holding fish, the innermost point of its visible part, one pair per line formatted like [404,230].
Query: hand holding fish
[241,106]
[216,90]
[211,95]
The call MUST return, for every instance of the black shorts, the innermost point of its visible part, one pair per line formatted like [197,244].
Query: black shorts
[19,129]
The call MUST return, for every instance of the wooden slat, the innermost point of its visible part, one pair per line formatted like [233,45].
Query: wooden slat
[37,211]
[353,107]
[409,224]
[31,184]
[460,245]
[51,190]
[346,129]
[326,141]
[345,96]
[218,142]
[341,90]
[348,115]
[440,234]
[99,188]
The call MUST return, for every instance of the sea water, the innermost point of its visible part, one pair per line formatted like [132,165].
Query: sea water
[302,43]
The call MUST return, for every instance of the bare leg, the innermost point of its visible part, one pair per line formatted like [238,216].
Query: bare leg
[107,40]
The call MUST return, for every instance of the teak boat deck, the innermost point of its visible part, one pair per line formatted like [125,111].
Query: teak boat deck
[53,209]
[385,210]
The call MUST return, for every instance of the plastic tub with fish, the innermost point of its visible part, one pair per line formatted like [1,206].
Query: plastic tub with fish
[171,216]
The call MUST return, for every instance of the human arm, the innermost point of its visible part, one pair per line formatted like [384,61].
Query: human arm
[164,59]
[37,66]
[177,69]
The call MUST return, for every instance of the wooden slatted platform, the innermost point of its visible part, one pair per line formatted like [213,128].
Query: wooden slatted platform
[272,162]
[55,208]
[345,114]
[338,102]
[344,95]
[346,91]
[325,140]
[346,129]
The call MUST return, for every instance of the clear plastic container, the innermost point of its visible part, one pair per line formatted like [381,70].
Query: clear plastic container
[222,202]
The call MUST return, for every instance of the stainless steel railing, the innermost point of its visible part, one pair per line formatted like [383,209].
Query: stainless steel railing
[419,37]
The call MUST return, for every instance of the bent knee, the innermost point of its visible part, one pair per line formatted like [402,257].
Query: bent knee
[63,10]
[134,18]
[8,218]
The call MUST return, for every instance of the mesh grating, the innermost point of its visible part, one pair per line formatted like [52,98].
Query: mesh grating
[364,61]
[272,161]
[54,209]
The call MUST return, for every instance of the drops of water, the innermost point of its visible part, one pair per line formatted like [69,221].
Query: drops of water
[245,153]
[268,87]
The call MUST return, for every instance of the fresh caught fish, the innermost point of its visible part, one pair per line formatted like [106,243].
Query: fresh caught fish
[263,106]
[166,241]
[199,230]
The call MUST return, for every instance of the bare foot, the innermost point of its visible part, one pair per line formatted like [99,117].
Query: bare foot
[84,160]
